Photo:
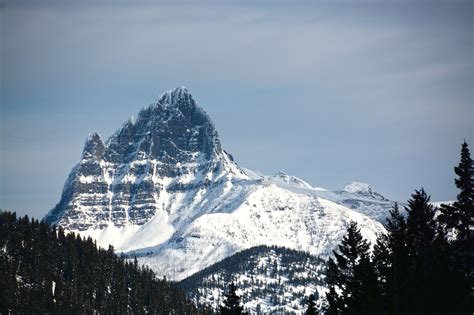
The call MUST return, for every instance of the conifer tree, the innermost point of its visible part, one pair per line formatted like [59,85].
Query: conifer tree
[458,219]
[312,307]
[421,225]
[423,285]
[460,216]
[232,304]
[391,262]
[351,277]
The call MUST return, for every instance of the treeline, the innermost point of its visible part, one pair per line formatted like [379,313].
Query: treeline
[423,265]
[43,270]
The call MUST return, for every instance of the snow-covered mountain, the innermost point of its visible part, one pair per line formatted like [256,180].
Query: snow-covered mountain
[171,148]
[162,188]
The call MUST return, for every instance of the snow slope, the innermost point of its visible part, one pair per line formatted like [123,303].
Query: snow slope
[261,213]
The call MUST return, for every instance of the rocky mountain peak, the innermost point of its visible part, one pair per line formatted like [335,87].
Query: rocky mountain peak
[172,145]
[174,129]
[176,96]
[94,147]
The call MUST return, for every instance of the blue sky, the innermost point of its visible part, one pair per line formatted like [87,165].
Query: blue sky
[374,91]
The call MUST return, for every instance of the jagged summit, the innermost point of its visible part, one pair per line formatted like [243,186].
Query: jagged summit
[175,129]
[172,97]
[93,147]
[94,136]
[171,145]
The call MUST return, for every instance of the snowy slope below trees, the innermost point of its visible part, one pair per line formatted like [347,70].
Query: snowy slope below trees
[269,280]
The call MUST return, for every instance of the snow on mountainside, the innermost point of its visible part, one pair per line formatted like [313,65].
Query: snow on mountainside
[163,188]
[270,280]
[363,189]
[257,214]
[292,181]
[356,196]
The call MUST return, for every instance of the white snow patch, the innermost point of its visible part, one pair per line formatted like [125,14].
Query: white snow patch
[132,237]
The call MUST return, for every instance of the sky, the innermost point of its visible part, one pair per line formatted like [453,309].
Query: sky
[329,91]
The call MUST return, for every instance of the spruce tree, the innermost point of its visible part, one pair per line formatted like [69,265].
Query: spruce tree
[458,219]
[391,261]
[421,225]
[231,302]
[312,307]
[353,287]
[423,283]
[460,216]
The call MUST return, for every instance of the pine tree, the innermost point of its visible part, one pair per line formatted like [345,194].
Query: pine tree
[460,216]
[311,302]
[231,302]
[421,225]
[423,283]
[391,262]
[353,287]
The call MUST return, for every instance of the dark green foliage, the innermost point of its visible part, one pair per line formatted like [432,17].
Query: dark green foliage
[415,263]
[353,286]
[424,256]
[391,261]
[43,270]
[421,225]
[458,220]
[232,304]
[424,263]
[312,306]
[411,261]
[460,216]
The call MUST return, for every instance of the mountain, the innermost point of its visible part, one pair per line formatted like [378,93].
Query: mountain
[163,189]
[172,147]
[269,279]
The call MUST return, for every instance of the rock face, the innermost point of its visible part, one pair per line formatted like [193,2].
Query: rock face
[163,189]
[172,146]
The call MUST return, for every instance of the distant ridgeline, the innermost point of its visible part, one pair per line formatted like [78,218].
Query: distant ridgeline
[43,270]
[270,280]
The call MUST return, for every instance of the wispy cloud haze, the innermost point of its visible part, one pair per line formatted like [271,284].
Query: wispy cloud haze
[331,91]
